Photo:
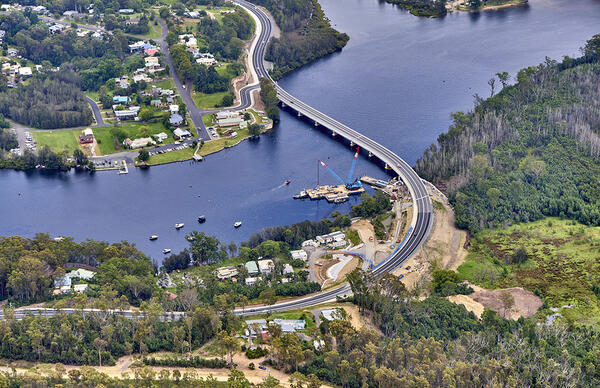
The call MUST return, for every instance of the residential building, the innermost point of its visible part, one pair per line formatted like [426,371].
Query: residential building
[156,103]
[250,281]
[331,237]
[56,28]
[132,21]
[121,100]
[176,119]
[254,326]
[287,269]
[2,35]
[206,61]
[230,122]
[80,287]
[70,14]
[12,52]
[331,314]
[226,272]
[151,51]
[126,11]
[299,255]
[160,137]
[174,108]
[25,71]
[87,137]
[137,46]
[266,266]
[179,133]
[138,143]
[252,267]
[290,325]
[126,114]
[225,114]
[141,77]
[310,243]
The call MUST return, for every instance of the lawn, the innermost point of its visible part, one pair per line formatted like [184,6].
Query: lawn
[561,264]
[154,33]
[173,156]
[105,139]
[204,101]
[165,84]
[93,95]
[58,141]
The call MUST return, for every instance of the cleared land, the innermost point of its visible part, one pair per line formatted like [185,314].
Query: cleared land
[207,101]
[58,141]
[561,264]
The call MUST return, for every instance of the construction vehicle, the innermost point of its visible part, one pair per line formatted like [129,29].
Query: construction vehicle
[350,184]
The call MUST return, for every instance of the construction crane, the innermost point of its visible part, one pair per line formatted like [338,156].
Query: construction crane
[349,184]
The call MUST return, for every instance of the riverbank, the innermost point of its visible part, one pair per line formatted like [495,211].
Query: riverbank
[487,6]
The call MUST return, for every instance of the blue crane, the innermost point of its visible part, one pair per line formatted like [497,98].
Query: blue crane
[350,185]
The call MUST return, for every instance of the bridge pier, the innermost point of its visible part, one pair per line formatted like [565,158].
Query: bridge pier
[316,124]
[299,114]
[351,143]
[333,134]
[283,104]
[370,154]
[387,167]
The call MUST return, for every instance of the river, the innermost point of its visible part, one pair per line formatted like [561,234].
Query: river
[397,81]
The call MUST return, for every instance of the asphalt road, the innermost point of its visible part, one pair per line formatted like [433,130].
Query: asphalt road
[96,110]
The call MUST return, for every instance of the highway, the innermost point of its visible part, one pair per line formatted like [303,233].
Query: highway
[423,209]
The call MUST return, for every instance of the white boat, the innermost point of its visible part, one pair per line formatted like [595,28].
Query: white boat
[166,250]
[153,237]
[237,224]
[179,226]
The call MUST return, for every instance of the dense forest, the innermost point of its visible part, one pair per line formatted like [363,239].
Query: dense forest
[268,95]
[306,35]
[47,103]
[529,151]
[435,343]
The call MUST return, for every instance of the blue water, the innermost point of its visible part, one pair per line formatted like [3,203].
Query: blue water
[397,81]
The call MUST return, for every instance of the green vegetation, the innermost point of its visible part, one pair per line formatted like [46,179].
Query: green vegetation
[207,101]
[372,206]
[165,84]
[109,138]
[172,156]
[429,8]
[58,141]
[306,35]
[474,5]
[557,259]
[268,95]
[529,151]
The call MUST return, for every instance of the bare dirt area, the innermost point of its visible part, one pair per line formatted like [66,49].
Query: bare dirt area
[321,268]
[526,303]
[258,102]
[374,251]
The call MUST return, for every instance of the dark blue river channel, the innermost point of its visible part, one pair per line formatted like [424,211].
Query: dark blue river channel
[397,81]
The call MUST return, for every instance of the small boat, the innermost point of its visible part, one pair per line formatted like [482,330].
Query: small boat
[153,237]
[237,224]
[287,182]
[166,250]
[201,219]
[179,226]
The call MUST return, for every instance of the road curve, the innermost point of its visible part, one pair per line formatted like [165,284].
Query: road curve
[422,216]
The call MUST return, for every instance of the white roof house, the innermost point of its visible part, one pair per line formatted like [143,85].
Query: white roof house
[25,71]
[250,281]
[225,114]
[141,142]
[174,108]
[299,254]
[331,314]
[160,137]
[331,237]
[252,324]
[226,272]
[287,269]
[310,243]
[266,266]
[80,287]
[181,133]
[290,325]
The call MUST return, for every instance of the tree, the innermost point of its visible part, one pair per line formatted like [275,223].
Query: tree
[253,129]
[230,344]
[268,297]
[143,156]
[508,301]
[100,345]
[145,113]
[504,78]
[492,83]
[232,247]
[80,158]
[204,249]
[520,256]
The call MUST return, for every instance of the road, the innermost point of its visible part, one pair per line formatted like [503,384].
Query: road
[97,115]
[423,209]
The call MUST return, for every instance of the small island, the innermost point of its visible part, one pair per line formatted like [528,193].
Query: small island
[438,8]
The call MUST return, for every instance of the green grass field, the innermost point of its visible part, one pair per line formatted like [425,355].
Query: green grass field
[105,139]
[154,33]
[562,264]
[173,156]
[165,84]
[204,101]
[93,95]
[58,141]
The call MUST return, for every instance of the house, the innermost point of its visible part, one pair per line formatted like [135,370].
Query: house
[174,108]
[25,71]
[252,267]
[287,269]
[12,52]
[122,82]
[65,289]
[225,114]
[81,273]
[98,35]
[39,9]
[160,137]
[121,100]
[171,295]
[2,35]
[179,133]
[250,281]
[57,28]
[226,272]
[137,46]
[70,14]
[126,11]
[331,237]
[139,143]
[230,122]
[63,281]
[82,33]
[80,287]
[176,119]
[299,255]
[266,266]
[193,14]
[132,21]
[152,63]
[87,137]
[126,114]
[141,77]
[156,103]
[206,61]
[151,51]
[254,326]
[338,244]
[290,325]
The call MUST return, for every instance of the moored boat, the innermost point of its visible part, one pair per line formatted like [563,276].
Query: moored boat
[153,237]
[201,219]
[166,250]
[179,226]
[237,224]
